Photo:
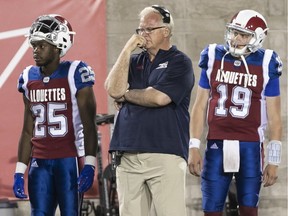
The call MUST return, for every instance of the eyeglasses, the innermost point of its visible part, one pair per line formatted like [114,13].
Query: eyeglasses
[164,12]
[147,30]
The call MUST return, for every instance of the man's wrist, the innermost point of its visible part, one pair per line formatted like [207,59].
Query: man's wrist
[90,160]
[194,143]
[20,167]
[274,151]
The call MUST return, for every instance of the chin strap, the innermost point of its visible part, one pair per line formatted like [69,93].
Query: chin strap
[222,61]
[245,64]
[242,58]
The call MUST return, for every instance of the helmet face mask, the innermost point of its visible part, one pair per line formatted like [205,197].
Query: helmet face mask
[246,22]
[55,30]
[237,48]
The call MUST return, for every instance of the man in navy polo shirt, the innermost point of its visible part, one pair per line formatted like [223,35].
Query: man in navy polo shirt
[152,89]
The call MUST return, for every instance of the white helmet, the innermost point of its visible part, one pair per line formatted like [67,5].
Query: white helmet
[248,22]
[54,29]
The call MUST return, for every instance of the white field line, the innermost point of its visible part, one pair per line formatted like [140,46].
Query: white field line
[18,55]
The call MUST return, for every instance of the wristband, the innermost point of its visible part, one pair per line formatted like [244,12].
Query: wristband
[90,160]
[194,143]
[274,152]
[20,167]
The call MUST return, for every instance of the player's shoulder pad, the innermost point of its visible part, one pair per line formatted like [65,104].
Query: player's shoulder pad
[24,76]
[275,65]
[85,72]
[204,55]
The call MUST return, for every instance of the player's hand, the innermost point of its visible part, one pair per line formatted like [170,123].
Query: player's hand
[86,178]
[195,161]
[269,175]
[18,186]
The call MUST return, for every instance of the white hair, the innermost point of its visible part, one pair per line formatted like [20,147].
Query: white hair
[148,10]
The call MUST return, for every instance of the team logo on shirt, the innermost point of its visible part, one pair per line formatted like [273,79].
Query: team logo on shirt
[162,65]
[45,95]
[237,63]
[236,78]
[46,79]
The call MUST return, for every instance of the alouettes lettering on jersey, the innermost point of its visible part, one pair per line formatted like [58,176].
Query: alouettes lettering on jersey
[58,131]
[237,107]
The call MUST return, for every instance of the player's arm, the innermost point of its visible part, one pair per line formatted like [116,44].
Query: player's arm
[198,112]
[197,122]
[24,151]
[274,146]
[87,109]
[24,145]
[274,117]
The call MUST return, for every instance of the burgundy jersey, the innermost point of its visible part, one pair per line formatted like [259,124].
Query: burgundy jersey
[58,130]
[237,105]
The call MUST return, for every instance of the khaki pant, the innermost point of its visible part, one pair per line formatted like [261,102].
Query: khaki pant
[146,178]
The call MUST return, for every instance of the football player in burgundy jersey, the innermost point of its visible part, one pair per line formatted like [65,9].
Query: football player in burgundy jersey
[239,95]
[59,122]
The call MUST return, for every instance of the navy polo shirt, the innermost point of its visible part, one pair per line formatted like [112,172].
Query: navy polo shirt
[161,129]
